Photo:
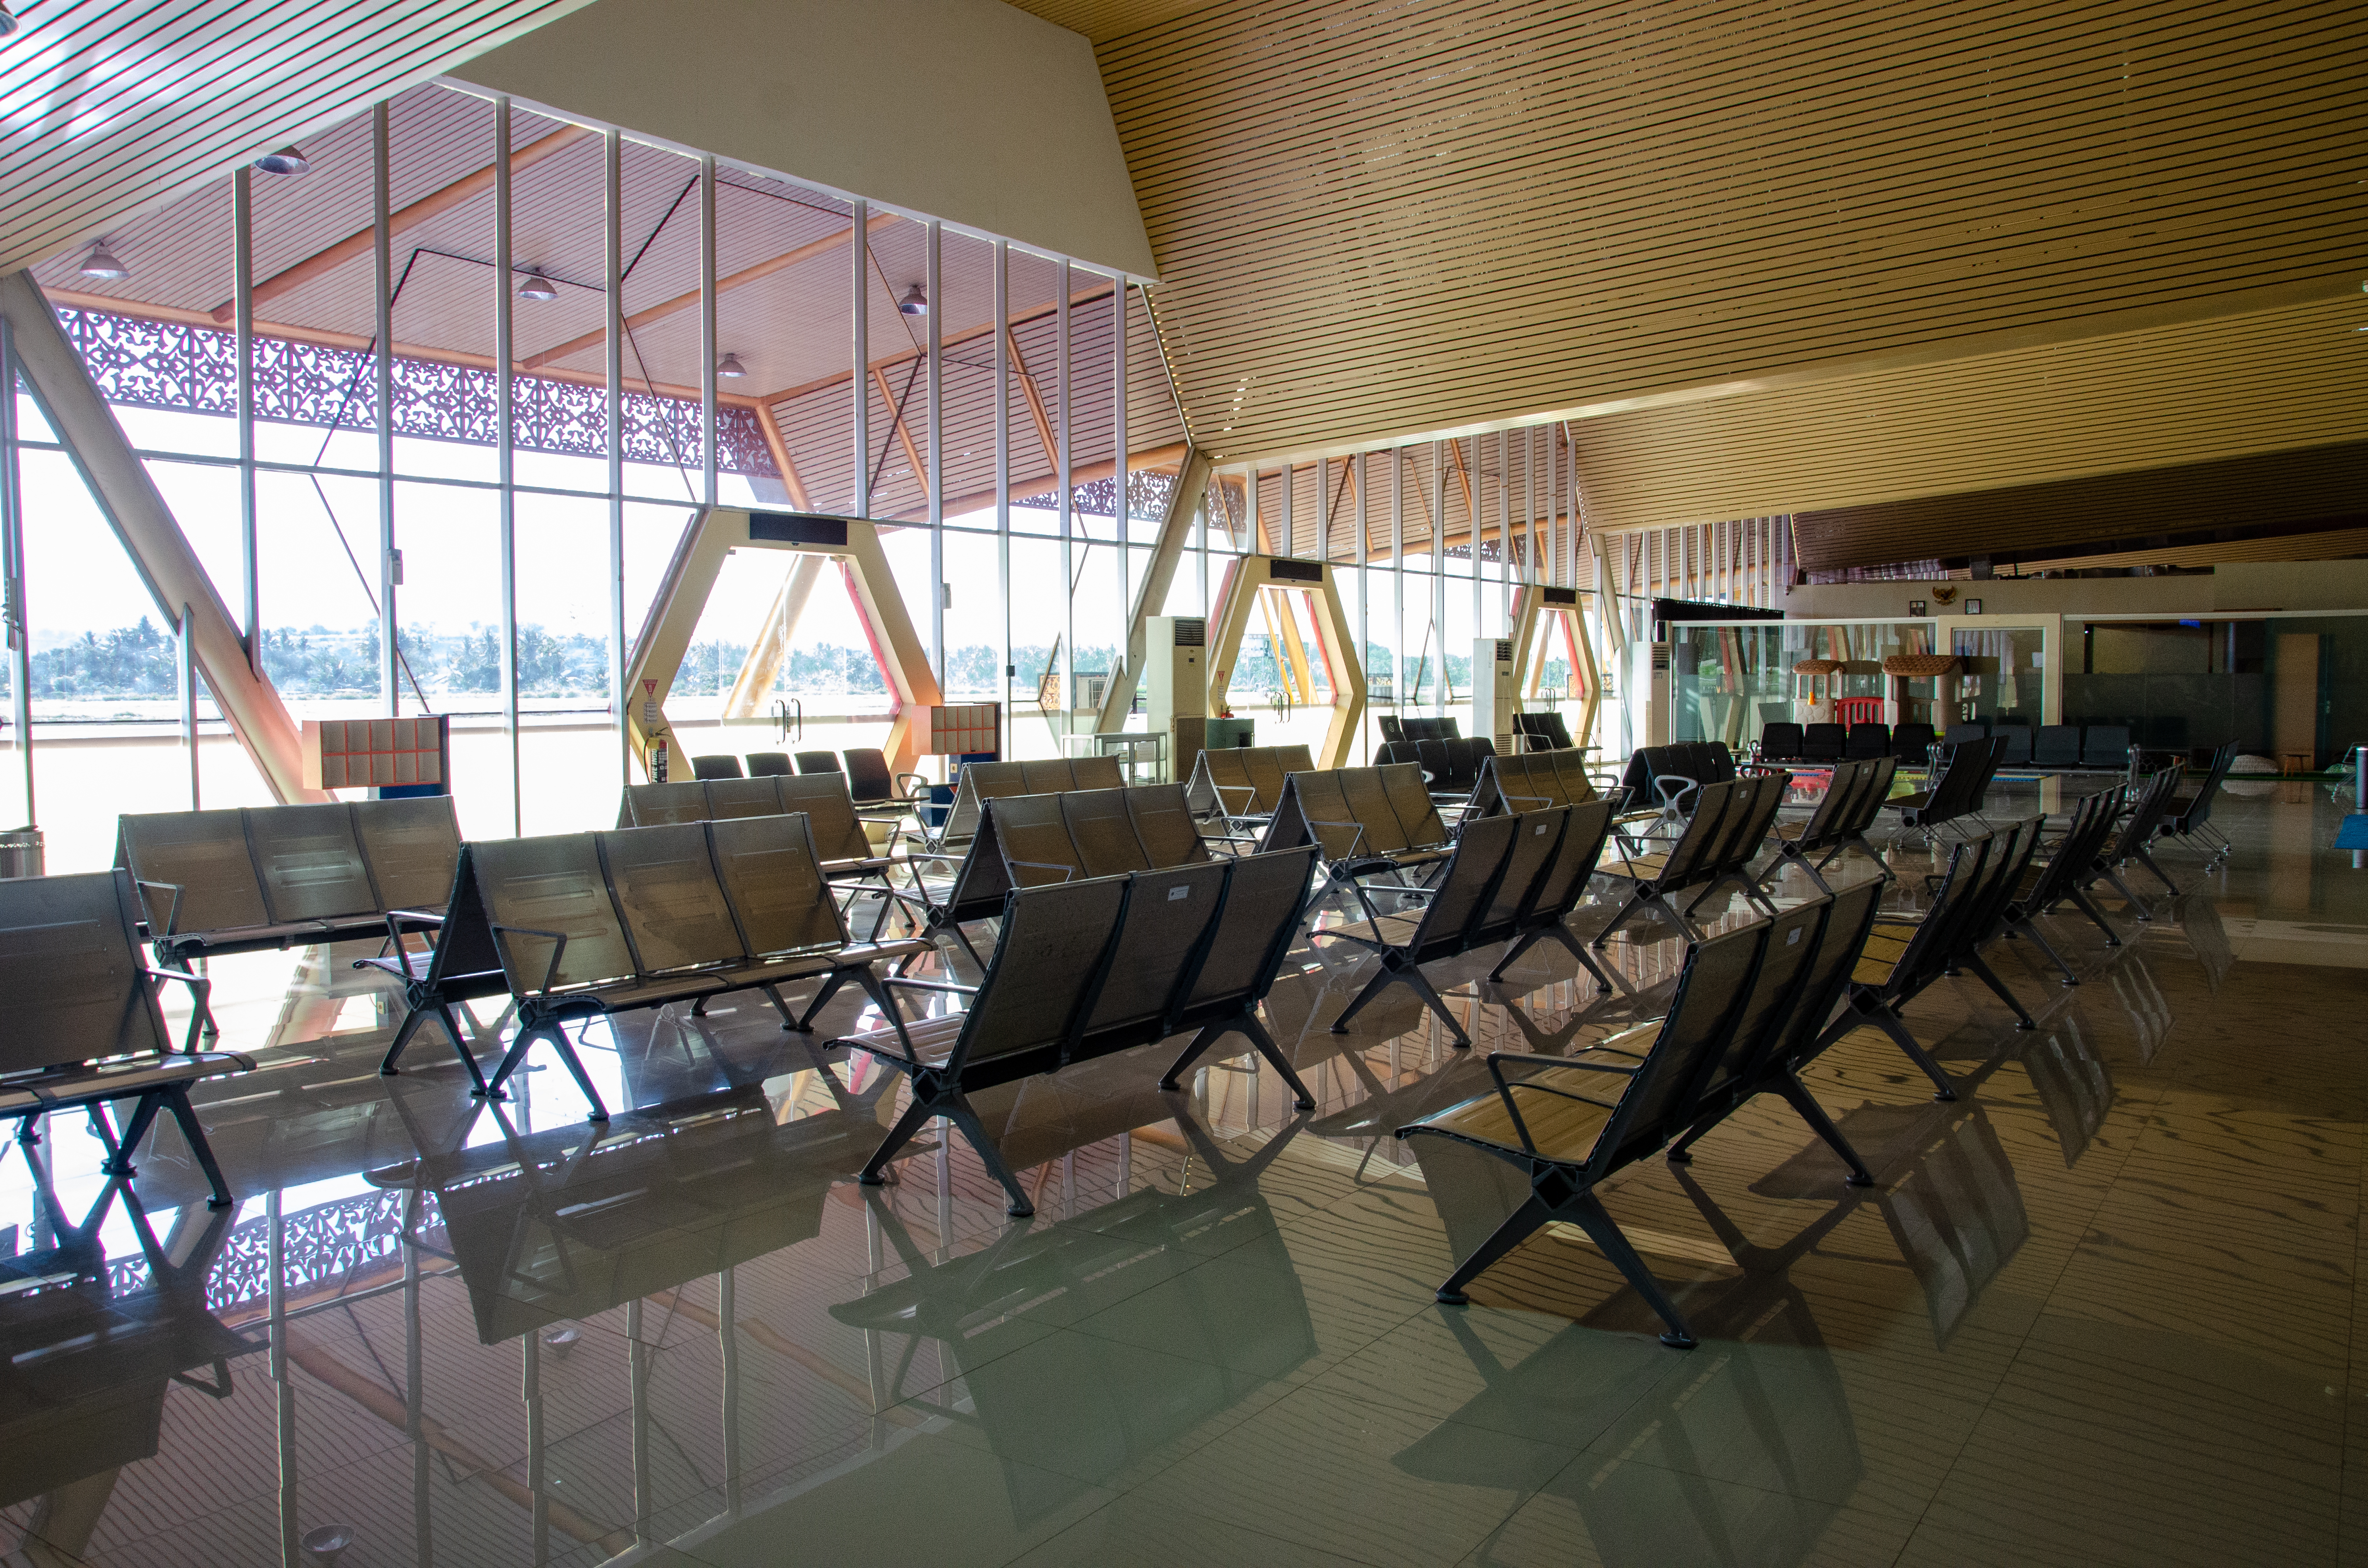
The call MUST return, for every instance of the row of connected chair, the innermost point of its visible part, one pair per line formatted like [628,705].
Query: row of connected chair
[586,925]
[1243,783]
[1514,877]
[1853,799]
[244,880]
[1088,967]
[865,769]
[2053,747]
[1731,820]
[1450,767]
[1787,742]
[1026,840]
[851,861]
[1551,1130]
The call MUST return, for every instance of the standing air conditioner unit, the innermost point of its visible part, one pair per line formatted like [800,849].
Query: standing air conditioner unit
[1648,693]
[1493,692]
[1176,677]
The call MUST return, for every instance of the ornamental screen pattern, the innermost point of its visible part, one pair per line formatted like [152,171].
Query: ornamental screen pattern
[192,369]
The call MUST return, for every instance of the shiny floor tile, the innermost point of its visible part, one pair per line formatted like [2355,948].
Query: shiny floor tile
[2104,1307]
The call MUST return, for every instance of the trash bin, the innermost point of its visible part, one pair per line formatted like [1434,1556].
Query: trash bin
[20,852]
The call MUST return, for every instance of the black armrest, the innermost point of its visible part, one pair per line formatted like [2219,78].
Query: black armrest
[201,1000]
[552,971]
[172,909]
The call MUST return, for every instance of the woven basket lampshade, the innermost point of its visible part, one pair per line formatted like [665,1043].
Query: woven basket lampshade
[1818,667]
[1919,666]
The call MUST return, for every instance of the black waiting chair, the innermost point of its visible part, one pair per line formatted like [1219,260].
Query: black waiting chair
[819,762]
[1867,740]
[1566,1125]
[1959,734]
[870,784]
[1824,742]
[462,965]
[1911,741]
[2151,803]
[2018,745]
[1903,957]
[768,765]
[2105,745]
[1089,967]
[2059,879]
[1393,729]
[1437,771]
[1559,889]
[1839,821]
[1451,903]
[85,1028]
[716,768]
[2188,817]
[1780,743]
[1769,1061]
[2055,746]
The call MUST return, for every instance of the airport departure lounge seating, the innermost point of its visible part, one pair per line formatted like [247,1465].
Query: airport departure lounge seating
[241,880]
[1028,840]
[1526,783]
[1553,1129]
[1843,813]
[1090,967]
[1730,821]
[84,1027]
[590,925]
[1362,820]
[1243,783]
[854,865]
[2062,878]
[1485,851]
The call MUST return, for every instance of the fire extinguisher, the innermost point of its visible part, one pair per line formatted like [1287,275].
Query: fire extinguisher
[658,760]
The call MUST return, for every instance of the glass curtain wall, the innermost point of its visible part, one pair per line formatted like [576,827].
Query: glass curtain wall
[307,365]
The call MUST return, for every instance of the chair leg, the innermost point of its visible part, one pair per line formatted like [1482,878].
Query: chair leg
[566,1049]
[1374,988]
[1893,1024]
[1577,950]
[185,1116]
[1983,973]
[957,1110]
[1797,1095]
[2137,904]
[2028,928]
[789,1018]
[2088,906]
[2147,861]
[1200,1042]
[119,1148]
[409,1027]
[1513,955]
[804,1023]
[1591,1215]
[1636,901]
[1517,1227]
[1272,1053]
[909,1123]
[1414,976]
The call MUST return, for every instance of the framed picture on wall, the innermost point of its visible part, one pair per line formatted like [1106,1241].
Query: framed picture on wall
[1916,606]
[1972,607]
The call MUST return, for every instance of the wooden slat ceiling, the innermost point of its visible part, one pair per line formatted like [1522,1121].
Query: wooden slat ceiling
[783,306]
[110,107]
[1376,219]
[2243,386]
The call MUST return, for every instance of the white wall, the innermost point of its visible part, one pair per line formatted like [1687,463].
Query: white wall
[967,110]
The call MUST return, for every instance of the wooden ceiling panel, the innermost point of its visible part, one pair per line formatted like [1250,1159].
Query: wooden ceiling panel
[1381,219]
[2238,387]
[109,109]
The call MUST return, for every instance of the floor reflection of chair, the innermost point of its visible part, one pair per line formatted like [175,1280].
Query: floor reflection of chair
[85,1366]
[1062,1431]
[550,1226]
[1770,1417]
[2073,1082]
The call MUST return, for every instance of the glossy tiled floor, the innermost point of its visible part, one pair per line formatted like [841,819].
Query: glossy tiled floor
[2103,1309]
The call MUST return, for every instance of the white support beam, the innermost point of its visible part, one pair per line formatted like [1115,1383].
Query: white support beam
[159,552]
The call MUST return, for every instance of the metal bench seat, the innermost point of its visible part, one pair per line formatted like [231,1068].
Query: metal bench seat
[83,1027]
[240,881]
[1730,821]
[1086,968]
[590,924]
[1565,1125]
